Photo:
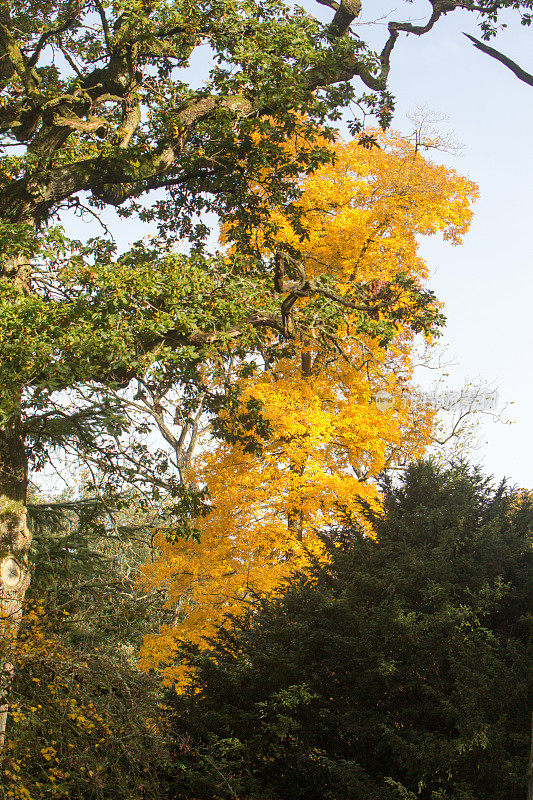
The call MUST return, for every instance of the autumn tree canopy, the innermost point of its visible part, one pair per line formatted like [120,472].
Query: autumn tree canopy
[98,110]
[303,439]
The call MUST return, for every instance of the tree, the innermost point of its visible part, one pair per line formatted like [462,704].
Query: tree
[400,668]
[304,441]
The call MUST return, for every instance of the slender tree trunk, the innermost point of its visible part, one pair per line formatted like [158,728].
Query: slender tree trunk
[295,524]
[295,517]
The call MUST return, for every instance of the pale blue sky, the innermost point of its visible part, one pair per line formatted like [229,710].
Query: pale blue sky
[487,283]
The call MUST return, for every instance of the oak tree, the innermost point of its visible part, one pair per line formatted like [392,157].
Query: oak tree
[98,110]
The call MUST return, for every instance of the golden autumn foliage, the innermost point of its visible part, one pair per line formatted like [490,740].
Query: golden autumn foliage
[325,438]
[38,761]
[366,211]
[71,730]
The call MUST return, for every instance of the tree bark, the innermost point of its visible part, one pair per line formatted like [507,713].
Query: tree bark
[15,537]
[295,517]
[15,540]
[295,524]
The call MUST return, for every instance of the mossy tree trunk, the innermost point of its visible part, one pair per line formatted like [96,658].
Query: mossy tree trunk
[15,537]
[15,540]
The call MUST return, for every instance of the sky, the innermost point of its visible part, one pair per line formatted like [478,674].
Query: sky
[487,283]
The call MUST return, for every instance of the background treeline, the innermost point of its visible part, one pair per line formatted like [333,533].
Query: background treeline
[398,669]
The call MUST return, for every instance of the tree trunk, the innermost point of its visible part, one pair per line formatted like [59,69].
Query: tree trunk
[295,524]
[295,517]
[15,537]
[15,540]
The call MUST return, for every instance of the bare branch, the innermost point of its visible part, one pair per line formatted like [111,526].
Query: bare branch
[440,7]
[70,60]
[521,74]
[49,34]
[105,25]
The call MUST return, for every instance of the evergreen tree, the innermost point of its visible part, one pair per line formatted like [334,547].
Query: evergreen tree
[399,669]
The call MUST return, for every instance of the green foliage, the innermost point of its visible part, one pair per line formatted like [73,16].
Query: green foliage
[98,108]
[86,566]
[399,669]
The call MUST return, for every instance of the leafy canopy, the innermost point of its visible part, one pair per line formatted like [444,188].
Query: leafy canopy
[303,441]
[101,108]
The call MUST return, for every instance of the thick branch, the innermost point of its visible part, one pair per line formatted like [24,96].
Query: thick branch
[111,180]
[174,339]
[90,125]
[440,7]
[131,120]
[330,4]
[344,16]
[11,50]
[105,25]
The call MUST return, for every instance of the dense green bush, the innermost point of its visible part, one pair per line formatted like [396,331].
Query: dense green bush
[398,670]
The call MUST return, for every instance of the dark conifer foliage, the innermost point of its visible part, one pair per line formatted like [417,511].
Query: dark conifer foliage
[399,670]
